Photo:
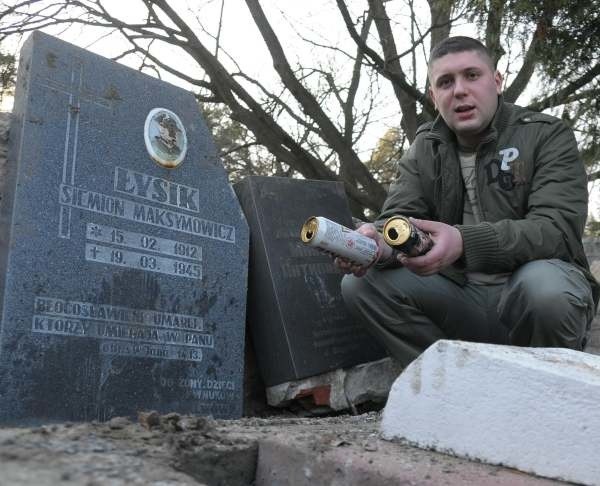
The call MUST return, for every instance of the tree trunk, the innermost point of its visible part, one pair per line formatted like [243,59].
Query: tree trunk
[408,104]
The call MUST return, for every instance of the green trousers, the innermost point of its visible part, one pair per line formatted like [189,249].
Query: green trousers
[544,303]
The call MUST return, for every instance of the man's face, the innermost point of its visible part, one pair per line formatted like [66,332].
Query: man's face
[465,90]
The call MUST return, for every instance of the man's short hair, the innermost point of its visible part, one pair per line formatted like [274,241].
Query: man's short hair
[460,44]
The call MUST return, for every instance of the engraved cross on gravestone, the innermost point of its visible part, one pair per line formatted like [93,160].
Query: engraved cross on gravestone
[73,91]
[123,250]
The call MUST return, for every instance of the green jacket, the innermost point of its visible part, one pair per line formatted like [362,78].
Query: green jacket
[532,190]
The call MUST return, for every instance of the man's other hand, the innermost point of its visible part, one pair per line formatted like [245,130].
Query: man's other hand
[447,248]
[383,251]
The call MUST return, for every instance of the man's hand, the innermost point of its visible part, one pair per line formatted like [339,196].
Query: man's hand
[383,251]
[447,248]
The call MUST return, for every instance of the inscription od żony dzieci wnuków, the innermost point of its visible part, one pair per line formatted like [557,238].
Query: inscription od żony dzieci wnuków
[146,187]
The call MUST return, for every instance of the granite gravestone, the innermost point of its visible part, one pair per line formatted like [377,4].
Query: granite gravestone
[123,252]
[297,318]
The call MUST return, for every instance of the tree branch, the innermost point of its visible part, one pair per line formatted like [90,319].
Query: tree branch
[277,100]
[562,95]
[440,11]
[494,28]
[380,65]
[311,107]
[348,106]
[530,61]
[408,104]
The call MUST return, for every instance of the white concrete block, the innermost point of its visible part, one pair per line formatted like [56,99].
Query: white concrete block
[534,409]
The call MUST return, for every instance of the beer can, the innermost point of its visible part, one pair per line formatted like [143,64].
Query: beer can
[401,234]
[337,240]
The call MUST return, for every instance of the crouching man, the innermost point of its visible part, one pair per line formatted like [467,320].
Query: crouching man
[503,193]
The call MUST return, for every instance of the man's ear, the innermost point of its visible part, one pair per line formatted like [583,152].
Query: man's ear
[432,96]
[498,80]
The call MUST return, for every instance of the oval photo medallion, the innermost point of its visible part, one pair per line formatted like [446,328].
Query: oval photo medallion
[165,137]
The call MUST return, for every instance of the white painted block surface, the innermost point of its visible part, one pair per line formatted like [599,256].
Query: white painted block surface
[534,409]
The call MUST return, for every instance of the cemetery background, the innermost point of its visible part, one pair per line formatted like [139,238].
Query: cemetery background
[191,450]
[79,443]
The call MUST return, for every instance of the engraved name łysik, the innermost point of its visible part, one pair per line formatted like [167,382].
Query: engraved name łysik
[156,189]
[122,208]
[153,189]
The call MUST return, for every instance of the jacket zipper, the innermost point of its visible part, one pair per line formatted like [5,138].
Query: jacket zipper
[478,170]
[482,216]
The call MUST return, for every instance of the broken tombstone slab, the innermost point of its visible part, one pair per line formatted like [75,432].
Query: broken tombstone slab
[341,389]
[533,409]
[297,319]
[123,249]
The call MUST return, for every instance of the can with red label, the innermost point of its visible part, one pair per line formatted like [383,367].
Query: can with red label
[337,240]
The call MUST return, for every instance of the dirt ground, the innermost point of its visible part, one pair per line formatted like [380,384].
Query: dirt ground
[157,450]
[186,450]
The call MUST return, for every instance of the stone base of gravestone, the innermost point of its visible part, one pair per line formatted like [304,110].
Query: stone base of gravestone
[362,386]
[534,409]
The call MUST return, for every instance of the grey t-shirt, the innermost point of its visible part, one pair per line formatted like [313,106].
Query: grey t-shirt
[472,213]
